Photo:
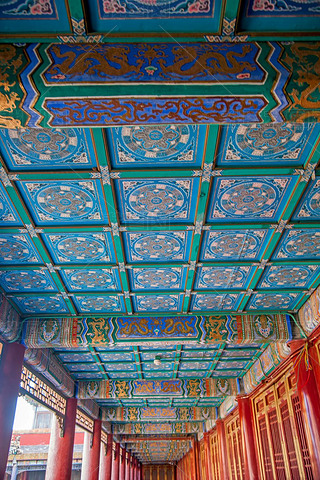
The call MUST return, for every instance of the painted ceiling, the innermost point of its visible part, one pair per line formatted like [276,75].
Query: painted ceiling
[159,219]
[154,222]
[104,19]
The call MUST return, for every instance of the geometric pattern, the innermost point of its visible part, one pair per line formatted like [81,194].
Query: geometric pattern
[172,278]
[273,144]
[157,303]
[157,145]
[213,302]
[273,301]
[26,281]
[157,246]
[154,200]
[288,276]
[99,303]
[249,199]
[91,279]
[85,248]
[17,249]
[46,149]
[233,245]
[40,304]
[222,277]
[299,244]
[76,201]
[8,215]
[309,206]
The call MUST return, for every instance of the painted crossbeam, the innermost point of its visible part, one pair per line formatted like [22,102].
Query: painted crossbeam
[81,332]
[158,428]
[152,414]
[192,388]
[158,83]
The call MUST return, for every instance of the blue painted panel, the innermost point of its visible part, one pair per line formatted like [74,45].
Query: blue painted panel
[47,149]
[26,281]
[17,249]
[156,16]
[76,357]
[80,247]
[99,304]
[157,246]
[78,367]
[155,200]
[309,206]
[115,367]
[280,16]
[231,365]
[127,375]
[222,277]
[156,146]
[118,357]
[276,144]
[88,376]
[8,214]
[222,245]
[289,276]
[34,16]
[191,374]
[213,301]
[91,279]
[168,278]
[157,375]
[250,199]
[273,301]
[37,304]
[299,244]
[157,303]
[52,203]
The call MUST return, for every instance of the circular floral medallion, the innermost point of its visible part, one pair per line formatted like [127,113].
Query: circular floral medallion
[157,247]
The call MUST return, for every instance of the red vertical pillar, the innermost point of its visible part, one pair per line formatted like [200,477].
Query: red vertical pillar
[196,460]
[91,453]
[122,470]
[248,438]
[208,456]
[59,465]
[127,477]
[115,461]
[106,459]
[224,469]
[10,374]
[135,469]
[309,399]
[131,467]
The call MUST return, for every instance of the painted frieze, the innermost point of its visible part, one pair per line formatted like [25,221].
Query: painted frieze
[159,388]
[271,357]
[157,428]
[10,324]
[77,331]
[309,313]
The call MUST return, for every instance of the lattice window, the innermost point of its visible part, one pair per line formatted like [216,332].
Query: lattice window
[33,386]
[215,453]
[104,437]
[302,437]
[265,448]
[288,437]
[84,421]
[235,447]
[276,444]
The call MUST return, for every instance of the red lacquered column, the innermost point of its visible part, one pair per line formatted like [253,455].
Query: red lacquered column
[248,438]
[106,459]
[91,453]
[122,470]
[127,477]
[208,456]
[310,402]
[115,461]
[224,469]
[131,467]
[59,465]
[10,375]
